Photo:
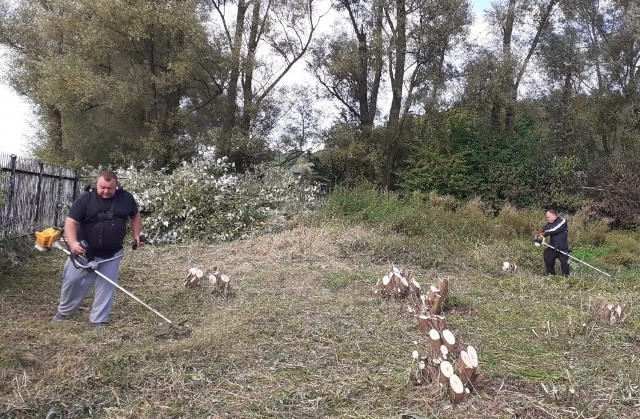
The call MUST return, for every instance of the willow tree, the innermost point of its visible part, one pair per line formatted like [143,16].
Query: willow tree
[591,66]
[116,82]
[522,24]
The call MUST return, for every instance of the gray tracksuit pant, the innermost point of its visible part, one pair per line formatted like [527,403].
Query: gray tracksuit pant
[77,283]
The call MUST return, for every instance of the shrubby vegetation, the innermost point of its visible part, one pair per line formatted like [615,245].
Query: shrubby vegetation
[206,199]
[427,229]
[494,123]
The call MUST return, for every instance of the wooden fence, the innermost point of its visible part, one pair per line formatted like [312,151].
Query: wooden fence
[33,195]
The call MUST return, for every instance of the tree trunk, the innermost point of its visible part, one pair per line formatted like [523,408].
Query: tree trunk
[512,80]
[367,96]
[249,66]
[234,74]
[507,96]
[55,132]
[397,82]
[396,71]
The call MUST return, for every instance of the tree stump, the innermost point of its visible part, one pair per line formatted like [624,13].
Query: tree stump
[605,311]
[437,295]
[448,339]
[434,344]
[466,371]
[219,283]
[446,371]
[457,391]
[399,283]
[426,322]
[194,278]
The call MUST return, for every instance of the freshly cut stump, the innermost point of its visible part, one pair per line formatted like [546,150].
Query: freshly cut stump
[448,339]
[456,389]
[446,371]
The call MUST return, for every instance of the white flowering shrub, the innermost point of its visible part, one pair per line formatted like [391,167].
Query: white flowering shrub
[204,199]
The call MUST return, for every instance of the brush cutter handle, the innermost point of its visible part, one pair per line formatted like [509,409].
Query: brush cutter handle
[574,258]
[143,239]
[79,261]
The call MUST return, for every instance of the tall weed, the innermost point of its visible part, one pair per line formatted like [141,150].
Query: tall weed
[591,235]
[512,222]
[362,203]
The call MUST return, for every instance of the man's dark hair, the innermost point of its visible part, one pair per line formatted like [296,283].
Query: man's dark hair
[554,212]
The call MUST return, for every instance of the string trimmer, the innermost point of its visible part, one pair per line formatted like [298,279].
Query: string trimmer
[50,238]
[540,241]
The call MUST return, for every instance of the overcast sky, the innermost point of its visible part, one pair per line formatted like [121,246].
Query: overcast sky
[19,126]
[16,114]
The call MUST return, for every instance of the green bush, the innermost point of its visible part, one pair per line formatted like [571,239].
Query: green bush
[205,199]
[452,155]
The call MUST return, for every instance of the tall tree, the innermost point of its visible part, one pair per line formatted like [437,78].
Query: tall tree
[115,84]
[530,18]
[349,64]
[399,44]
[423,34]
[264,40]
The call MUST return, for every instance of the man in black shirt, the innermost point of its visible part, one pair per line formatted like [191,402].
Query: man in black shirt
[99,217]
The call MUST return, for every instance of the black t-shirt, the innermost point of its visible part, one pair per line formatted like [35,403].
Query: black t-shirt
[103,222]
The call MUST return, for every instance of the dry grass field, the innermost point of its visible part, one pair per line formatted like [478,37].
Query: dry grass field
[303,335]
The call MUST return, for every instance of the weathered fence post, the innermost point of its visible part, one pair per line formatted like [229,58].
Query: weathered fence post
[12,184]
[38,192]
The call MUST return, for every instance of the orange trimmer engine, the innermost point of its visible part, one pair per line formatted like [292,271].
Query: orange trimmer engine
[47,237]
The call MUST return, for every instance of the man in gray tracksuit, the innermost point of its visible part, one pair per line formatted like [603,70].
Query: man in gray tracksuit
[557,230]
[97,219]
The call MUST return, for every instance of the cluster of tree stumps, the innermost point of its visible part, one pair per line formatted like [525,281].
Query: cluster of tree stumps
[213,280]
[442,361]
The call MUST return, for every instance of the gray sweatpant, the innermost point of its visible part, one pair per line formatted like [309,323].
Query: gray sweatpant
[77,283]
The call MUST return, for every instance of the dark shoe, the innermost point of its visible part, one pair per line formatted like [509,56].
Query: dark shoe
[59,318]
[99,325]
